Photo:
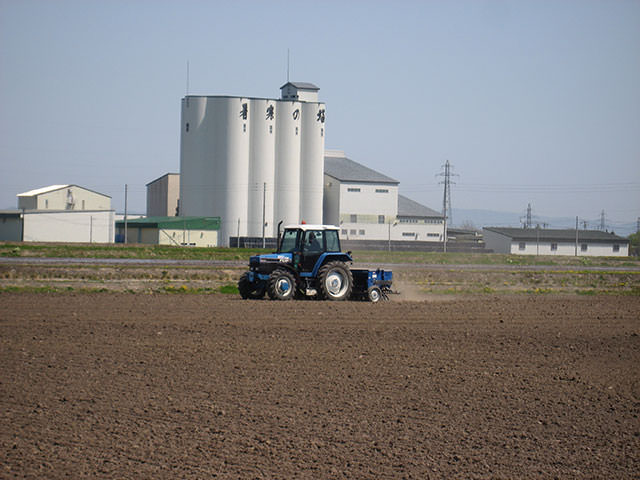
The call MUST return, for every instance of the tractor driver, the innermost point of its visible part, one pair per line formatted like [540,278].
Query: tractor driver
[313,245]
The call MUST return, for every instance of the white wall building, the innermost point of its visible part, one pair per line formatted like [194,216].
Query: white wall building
[246,160]
[534,241]
[60,213]
[367,206]
[63,197]
[163,196]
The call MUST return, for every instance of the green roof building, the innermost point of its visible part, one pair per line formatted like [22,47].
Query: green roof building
[179,231]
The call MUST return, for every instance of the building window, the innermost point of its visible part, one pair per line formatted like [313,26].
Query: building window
[83,204]
[244,127]
[46,204]
[380,218]
[296,130]
[344,231]
[522,246]
[382,190]
[353,218]
[352,232]
[186,127]
[583,247]
[408,234]
[270,128]
[616,247]
[554,247]
[433,234]
[322,132]
[353,189]
[361,232]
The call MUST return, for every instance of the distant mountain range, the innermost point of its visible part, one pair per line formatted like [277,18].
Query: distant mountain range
[491,218]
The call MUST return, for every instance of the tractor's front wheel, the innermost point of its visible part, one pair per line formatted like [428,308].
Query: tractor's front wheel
[335,281]
[281,285]
[250,290]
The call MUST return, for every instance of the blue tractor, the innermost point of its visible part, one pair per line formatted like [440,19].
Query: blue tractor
[310,264]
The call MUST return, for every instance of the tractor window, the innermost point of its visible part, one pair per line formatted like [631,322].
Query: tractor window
[288,243]
[313,242]
[333,244]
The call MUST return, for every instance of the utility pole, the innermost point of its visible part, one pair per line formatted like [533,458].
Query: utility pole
[576,237]
[446,201]
[264,197]
[126,239]
[528,215]
[602,225]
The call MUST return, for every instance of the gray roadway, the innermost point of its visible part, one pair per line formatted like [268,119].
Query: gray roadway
[242,263]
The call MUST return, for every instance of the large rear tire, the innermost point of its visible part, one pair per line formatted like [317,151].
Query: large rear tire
[335,281]
[281,285]
[248,290]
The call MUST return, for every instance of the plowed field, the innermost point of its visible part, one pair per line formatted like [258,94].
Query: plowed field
[116,385]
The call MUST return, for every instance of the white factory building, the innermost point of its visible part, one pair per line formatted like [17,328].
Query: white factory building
[253,162]
[366,205]
[542,241]
[59,213]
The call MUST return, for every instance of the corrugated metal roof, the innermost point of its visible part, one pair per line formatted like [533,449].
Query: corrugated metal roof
[174,223]
[410,208]
[53,188]
[559,235]
[301,85]
[39,191]
[346,170]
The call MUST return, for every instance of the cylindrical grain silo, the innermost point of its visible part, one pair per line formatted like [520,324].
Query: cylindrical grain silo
[232,154]
[196,145]
[287,164]
[262,142]
[214,162]
[312,162]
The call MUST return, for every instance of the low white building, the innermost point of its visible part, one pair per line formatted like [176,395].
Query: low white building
[367,206]
[59,213]
[538,241]
[178,231]
[63,197]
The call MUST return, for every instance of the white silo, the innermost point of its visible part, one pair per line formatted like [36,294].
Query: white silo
[196,147]
[287,164]
[261,166]
[312,162]
[214,163]
[234,157]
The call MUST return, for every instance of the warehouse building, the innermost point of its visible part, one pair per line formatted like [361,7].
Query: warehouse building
[178,231]
[539,241]
[59,213]
[253,162]
[367,205]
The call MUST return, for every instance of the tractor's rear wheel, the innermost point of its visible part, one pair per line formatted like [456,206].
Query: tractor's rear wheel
[281,285]
[335,281]
[250,290]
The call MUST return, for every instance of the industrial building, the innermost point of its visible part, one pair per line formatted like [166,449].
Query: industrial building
[540,241]
[163,196]
[367,205]
[253,162]
[59,213]
[167,230]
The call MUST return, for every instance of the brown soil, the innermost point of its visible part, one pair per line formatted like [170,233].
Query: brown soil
[211,386]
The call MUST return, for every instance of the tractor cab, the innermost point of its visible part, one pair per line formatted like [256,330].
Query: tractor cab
[307,244]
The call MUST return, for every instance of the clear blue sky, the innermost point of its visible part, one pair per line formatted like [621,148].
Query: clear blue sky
[531,101]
